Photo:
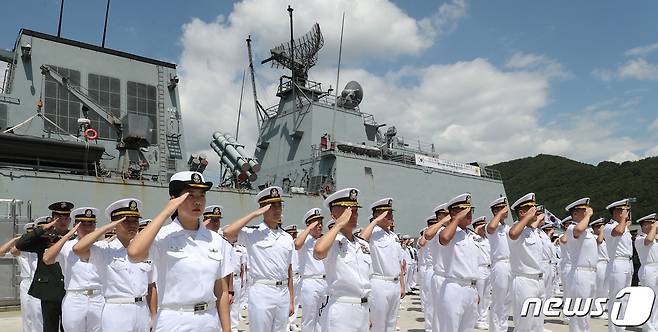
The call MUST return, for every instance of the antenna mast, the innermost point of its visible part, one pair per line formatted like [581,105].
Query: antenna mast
[292,59]
[107,12]
[237,129]
[59,26]
[260,112]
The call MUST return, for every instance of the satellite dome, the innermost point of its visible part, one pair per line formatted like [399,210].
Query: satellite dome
[351,96]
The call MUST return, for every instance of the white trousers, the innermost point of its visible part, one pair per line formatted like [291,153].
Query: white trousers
[313,294]
[295,287]
[438,316]
[601,280]
[549,276]
[81,312]
[344,317]
[620,274]
[410,277]
[649,277]
[268,308]
[582,284]
[133,317]
[501,288]
[30,309]
[385,304]
[484,292]
[458,307]
[235,307]
[425,276]
[178,321]
[522,289]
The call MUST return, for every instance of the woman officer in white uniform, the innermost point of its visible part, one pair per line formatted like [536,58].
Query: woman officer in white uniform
[192,263]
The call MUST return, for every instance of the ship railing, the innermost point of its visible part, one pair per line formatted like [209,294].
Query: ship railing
[317,95]
[406,159]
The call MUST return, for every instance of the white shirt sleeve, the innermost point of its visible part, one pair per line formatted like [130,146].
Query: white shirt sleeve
[226,268]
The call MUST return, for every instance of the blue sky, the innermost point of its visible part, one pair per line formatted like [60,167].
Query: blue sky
[589,63]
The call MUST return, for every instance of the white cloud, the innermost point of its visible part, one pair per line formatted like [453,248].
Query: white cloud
[471,110]
[653,152]
[642,50]
[537,62]
[624,156]
[639,69]
[654,125]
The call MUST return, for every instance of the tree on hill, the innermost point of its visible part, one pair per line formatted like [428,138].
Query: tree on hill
[558,181]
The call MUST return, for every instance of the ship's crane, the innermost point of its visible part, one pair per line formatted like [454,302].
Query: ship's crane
[63,81]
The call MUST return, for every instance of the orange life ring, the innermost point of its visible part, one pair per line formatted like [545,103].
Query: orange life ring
[91,133]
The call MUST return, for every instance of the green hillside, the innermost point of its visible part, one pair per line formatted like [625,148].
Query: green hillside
[558,181]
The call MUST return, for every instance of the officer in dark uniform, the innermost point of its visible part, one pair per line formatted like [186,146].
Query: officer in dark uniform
[48,282]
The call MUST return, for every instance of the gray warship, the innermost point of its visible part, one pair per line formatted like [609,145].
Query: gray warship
[92,125]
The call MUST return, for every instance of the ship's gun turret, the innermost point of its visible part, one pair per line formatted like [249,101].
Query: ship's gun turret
[233,156]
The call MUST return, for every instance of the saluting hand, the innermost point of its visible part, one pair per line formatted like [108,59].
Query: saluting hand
[262,210]
[380,217]
[589,211]
[344,218]
[462,214]
[503,212]
[72,231]
[51,224]
[175,202]
[624,215]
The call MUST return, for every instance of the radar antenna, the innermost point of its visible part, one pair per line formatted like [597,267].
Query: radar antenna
[305,50]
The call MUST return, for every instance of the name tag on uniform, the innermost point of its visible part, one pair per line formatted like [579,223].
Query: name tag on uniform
[365,249]
[213,250]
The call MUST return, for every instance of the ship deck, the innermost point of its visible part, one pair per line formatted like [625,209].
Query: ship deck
[411,320]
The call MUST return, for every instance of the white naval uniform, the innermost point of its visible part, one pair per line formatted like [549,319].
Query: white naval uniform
[457,295]
[385,280]
[406,257]
[565,267]
[484,278]
[270,254]
[30,305]
[582,276]
[501,279]
[239,259]
[601,277]
[313,289]
[425,273]
[348,266]
[547,261]
[648,275]
[295,285]
[83,303]
[125,286]
[525,261]
[439,270]
[620,267]
[187,264]
[412,264]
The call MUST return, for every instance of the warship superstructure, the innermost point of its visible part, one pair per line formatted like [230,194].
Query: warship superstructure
[91,125]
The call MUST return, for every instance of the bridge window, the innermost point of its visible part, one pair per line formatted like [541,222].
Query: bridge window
[61,106]
[106,92]
[3,117]
[142,101]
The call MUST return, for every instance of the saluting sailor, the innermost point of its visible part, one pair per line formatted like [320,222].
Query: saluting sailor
[48,282]
[647,250]
[501,273]
[602,262]
[620,249]
[190,261]
[313,289]
[458,296]
[271,296]
[484,268]
[388,284]
[582,247]
[525,261]
[348,265]
[27,261]
[443,218]
[83,303]
[212,216]
[425,273]
[128,288]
